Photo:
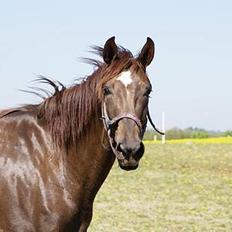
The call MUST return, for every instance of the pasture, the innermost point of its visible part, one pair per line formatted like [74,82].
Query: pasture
[178,187]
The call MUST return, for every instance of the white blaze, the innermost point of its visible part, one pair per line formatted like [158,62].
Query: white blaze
[125,78]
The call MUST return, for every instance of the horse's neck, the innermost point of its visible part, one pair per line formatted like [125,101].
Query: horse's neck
[89,162]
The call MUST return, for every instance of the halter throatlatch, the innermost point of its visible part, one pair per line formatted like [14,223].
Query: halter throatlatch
[110,123]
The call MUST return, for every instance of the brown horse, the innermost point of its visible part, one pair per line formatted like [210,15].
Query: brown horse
[55,156]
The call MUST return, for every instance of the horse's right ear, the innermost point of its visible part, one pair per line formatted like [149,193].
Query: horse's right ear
[147,53]
[110,50]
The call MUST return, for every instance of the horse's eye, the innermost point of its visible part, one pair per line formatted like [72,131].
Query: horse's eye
[147,93]
[106,90]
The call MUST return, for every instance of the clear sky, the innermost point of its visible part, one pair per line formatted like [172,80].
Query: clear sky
[191,73]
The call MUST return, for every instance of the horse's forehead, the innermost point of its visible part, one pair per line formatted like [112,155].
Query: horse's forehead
[127,78]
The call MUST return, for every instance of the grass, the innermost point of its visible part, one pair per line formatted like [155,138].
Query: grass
[178,187]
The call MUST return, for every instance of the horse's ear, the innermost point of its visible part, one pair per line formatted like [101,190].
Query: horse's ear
[110,50]
[147,53]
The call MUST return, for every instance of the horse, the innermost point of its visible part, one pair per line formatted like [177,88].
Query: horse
[54,156]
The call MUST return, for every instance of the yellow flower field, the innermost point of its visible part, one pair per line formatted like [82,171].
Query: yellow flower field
[219,140]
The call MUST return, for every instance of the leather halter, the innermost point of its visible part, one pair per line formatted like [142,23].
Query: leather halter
[109,123]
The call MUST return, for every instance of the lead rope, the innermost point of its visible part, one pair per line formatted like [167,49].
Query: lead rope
[153,125]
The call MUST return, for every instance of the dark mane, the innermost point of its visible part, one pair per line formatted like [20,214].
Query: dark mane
[70,110]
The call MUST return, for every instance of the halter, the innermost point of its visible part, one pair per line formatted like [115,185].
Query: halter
[109,124]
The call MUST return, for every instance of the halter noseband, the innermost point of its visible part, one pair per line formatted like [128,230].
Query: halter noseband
[109,123]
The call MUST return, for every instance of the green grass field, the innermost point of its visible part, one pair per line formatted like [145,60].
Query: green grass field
[178,187]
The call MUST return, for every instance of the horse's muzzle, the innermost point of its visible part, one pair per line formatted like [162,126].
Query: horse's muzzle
[131,157]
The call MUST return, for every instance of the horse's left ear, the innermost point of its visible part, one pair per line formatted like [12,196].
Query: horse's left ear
[110,50]
[147,53]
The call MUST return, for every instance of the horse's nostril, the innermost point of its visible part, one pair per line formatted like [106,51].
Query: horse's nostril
[127,150]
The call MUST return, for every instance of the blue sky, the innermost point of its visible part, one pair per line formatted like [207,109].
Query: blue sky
[191,73]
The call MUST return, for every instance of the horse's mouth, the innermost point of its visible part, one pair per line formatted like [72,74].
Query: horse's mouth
[127,162]
[128,165]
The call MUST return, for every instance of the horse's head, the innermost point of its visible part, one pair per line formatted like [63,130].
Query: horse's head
[125,98]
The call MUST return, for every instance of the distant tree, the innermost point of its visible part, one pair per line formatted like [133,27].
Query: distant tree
[177,133]
[149,134]
[227,133]
[201,134]
[189,132]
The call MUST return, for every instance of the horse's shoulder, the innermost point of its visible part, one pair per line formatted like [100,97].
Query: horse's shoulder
[19,120]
